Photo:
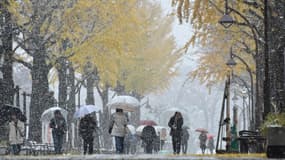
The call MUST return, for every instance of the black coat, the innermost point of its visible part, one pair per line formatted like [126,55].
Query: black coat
[185,135]
[148,134]
[176,126]
[58,125]
[87,126]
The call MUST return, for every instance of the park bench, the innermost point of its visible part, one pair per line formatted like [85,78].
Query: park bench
[251,141]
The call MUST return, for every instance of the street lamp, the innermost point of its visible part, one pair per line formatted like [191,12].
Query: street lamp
[231,63]
[226,19]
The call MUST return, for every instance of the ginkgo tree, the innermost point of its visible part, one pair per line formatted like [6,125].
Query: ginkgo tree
[245,36]
[213,40]
[121,39]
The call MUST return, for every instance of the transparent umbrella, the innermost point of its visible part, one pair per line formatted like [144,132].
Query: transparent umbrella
[49,113]
[127,103]
[84,110]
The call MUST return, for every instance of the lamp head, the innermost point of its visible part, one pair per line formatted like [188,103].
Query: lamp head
[226,20]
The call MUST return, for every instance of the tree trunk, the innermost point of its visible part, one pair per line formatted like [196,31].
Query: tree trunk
[71,104]
[62,86]
[39,96]
[90,81]
[106,118]
[7,70]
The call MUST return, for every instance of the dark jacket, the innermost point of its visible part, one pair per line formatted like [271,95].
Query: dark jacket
[175,125]
[185,136]
[148,135]
[87,126]
[58,125]
[203,139]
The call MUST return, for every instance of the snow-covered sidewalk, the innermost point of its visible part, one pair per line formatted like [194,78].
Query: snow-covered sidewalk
[129,157]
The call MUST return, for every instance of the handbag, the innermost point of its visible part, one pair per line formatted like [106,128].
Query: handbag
[111,127]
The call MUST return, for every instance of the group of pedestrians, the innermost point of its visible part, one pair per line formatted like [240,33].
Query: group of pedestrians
[203,143]
[125,141]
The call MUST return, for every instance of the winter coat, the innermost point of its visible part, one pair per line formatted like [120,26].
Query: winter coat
[58,126]
[16,132]
[211,145]
[163,134]
[176,126]
[87,126]
[148,134]
[118,124]
[185,136]
[203,139]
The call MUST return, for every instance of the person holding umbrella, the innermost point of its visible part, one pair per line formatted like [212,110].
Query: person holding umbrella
[58,125]
[211,145]
[175,123]
[87,126]
[203,140]
[117,128]
[16,134]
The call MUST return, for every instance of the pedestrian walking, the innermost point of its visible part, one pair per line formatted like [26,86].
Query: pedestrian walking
[163,137]
[211,145]
[16,134]
[156,143]
[176,123]
[148,137]
[184,140]
[127,142]
[58,125]
[117,128]
[203,140]
[87,127]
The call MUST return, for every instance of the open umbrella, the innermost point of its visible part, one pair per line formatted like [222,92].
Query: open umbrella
[49,113]
[127,103]
[84,110]
[201,130]
[7,110]
[157,128]
[147,123]
[210,136]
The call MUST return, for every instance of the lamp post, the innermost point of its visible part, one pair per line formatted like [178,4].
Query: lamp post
[243,108]
[244,94]
[226,19]
[231,62]
[235,99]
[258,59]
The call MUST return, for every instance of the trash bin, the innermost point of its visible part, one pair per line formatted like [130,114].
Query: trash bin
[275,142]
[243,145]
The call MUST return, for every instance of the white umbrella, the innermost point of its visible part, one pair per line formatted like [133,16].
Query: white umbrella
[140,128]
[49,113]
[127,103]
[84,110]
[157,128]
[131,128]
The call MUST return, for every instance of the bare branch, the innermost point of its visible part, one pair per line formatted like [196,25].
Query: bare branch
[26,64]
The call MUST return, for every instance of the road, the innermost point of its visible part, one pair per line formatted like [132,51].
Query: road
[136,157]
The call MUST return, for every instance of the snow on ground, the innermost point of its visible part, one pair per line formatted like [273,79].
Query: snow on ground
[134,157]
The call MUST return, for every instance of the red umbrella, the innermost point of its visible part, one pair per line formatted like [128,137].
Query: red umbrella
[210,136]
[201,130]
[148,123]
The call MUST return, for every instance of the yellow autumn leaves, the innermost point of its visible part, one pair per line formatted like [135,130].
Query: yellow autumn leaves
[128,41]
[213,40]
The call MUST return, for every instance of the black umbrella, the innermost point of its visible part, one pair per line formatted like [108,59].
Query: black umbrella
[7,110]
